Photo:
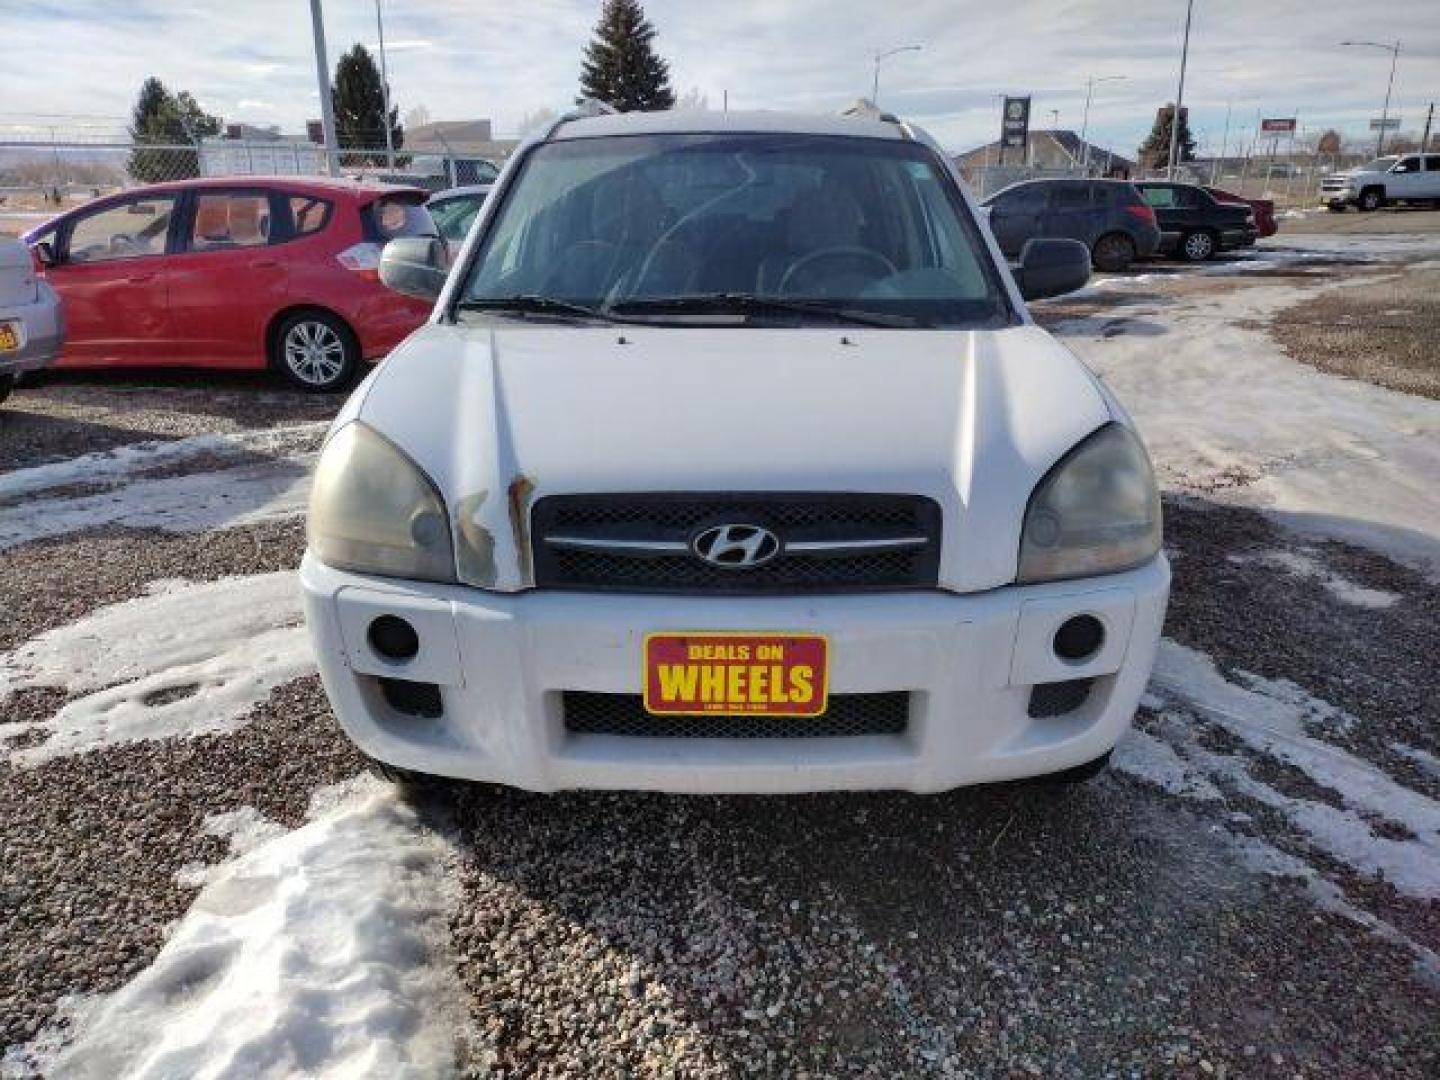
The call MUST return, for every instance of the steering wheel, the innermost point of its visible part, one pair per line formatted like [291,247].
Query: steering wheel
[123,244]
[577,254]
[848,251]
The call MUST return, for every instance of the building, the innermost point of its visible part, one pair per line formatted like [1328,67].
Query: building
[1057,150]
[459,138]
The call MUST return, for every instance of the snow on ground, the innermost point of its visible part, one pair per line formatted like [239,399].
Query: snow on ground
[321,952]
[186,658]
[1305,564]
[1273,720]
[270,481]
[1227,414]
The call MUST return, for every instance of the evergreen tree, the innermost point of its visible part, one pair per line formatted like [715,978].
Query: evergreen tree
[1156,149]
[621,67]
[162,119]
[359,99]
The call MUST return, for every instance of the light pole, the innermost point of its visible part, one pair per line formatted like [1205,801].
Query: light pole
[1179,94]
[322,73]
[1085,120]
[385,91]
[1394,51]
[875,86]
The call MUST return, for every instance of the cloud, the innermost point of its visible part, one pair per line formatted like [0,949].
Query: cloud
[464,60]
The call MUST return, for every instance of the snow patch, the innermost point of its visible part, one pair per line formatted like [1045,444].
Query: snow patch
[1148,758]
[186,658]
[321,952]
[1306,564]
[1270,717]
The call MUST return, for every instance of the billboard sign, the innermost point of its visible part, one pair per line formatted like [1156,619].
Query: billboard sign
[1278,125]
[1015,123]
[1389,123]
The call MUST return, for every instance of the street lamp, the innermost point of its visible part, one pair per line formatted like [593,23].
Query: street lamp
[1085,121]
[385,90]
[1394,51]
[875,87]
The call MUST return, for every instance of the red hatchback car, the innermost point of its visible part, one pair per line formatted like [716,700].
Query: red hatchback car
[234,272]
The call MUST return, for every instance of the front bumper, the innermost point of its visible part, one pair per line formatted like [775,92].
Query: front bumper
[503,661]
[43,333]
[1337,196]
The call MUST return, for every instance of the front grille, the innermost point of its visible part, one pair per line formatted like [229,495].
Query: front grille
[1058,698]
[796,518]
[845,715]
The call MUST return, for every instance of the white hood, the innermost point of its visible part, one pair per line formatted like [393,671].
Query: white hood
[501,416]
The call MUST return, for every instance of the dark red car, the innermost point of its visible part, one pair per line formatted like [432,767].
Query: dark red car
[234,272]
[1265,223]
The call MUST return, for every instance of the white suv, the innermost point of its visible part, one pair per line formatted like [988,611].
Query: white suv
[731,461]
[1395,178]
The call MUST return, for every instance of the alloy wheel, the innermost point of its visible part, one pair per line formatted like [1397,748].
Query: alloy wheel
[314,353]
[1199,246]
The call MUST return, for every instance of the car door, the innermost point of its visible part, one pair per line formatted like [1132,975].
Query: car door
[1015,216]
[111,272]
[1432,177]
[1168,215]
[1406,179]
[228,275]
[1071,213]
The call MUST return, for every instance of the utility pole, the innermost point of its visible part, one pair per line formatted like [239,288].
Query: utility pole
[1180,93]
[385,92]
[1394,51]
[322,75]
[1224,142]
[1429,120]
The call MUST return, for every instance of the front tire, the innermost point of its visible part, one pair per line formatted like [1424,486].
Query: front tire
[1371,199]
[1113,253]
[316,351]
[1198,246]
[1079,774]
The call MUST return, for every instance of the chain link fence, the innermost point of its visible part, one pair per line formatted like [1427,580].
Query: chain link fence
[39,179]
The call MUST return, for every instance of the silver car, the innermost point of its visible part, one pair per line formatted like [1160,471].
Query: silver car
[32,325]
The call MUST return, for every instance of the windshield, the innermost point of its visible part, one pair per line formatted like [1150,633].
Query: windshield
[1380,164]
[863,227]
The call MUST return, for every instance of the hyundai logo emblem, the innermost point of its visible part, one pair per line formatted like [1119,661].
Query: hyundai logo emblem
[735,547]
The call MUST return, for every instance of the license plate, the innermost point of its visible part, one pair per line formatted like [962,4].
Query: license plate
[9,336]
[752,674]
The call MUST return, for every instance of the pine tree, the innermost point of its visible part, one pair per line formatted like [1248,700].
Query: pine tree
[621,67]
[1156,148]
[359,99]
[160,119]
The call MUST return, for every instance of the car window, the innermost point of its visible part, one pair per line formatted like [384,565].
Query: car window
[397,215]
[832,220]
[308,214]
[1409,164]
[129,230]
[1070,197]
[1159,197]
[1025,199]
[454,216]
[230,219]
[1432,163]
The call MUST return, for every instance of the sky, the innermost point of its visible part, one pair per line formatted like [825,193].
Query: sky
[76,65]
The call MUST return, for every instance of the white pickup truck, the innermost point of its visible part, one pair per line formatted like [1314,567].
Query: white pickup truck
[1409,178]
[732,461]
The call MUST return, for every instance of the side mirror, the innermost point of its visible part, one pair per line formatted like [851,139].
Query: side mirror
[1052,267]
[415,266]
[44,253]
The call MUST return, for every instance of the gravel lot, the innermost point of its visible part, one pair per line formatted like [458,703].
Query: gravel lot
[1224,902]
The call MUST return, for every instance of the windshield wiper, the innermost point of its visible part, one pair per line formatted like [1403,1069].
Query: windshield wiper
[534,303]
[747,303]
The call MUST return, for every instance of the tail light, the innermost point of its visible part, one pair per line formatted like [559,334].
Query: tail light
[362,259]
[1143,211]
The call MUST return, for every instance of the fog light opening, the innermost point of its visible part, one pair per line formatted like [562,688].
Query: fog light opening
[394,638]
[1079,638]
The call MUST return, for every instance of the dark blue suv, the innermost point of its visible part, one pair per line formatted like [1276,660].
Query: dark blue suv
[1107,216]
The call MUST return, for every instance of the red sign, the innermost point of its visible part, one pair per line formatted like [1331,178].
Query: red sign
[695,674]
[1278,126]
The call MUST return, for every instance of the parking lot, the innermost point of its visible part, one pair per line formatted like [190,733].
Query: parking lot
[196,873]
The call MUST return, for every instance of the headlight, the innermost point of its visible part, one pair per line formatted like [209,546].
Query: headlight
[1098,511]
[373,510]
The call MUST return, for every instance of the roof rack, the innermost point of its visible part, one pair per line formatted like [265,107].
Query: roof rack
[587,108]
